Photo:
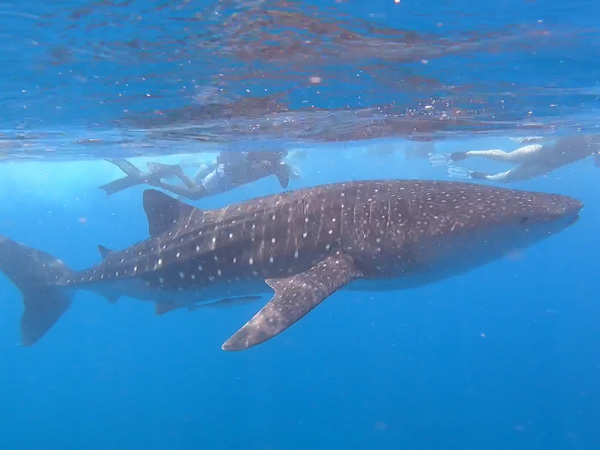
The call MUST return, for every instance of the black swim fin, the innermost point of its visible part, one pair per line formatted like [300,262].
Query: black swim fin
[120,185]
[127,167]
[133,178]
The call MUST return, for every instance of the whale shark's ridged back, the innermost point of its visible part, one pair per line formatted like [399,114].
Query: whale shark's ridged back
[312,222]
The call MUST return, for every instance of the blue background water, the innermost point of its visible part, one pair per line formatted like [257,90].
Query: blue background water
[505,357]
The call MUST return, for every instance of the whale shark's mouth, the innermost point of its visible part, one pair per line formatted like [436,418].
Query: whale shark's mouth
[572,220]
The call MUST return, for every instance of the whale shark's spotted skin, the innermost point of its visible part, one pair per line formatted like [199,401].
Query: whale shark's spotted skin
[286,234]
[308,243]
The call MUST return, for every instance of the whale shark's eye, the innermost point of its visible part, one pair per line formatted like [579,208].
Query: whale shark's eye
[524,219]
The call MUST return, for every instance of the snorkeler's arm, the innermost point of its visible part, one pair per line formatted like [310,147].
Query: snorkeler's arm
[194,192]
[530,139]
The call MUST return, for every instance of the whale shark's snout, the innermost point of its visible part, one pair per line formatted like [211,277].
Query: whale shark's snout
[554,207]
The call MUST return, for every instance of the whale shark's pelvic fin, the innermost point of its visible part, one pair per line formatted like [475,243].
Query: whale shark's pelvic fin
[294,297]
[163,307]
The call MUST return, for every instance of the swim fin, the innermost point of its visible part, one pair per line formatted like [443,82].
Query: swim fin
[133,178]
[127,167]
[439,159]
[120,185]
[459,172]
[464,173]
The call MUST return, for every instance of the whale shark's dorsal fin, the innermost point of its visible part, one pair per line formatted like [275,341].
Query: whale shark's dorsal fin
[294,297]
[163,211]
[104,252]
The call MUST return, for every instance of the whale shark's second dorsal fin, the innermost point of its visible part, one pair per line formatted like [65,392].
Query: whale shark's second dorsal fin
[163,212]
[104,252]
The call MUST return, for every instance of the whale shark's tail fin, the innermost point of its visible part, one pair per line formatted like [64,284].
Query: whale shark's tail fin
[36,274]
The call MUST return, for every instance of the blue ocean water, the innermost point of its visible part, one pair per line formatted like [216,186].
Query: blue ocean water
[505,357]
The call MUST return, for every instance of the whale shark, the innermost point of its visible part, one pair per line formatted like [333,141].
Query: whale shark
[303,245]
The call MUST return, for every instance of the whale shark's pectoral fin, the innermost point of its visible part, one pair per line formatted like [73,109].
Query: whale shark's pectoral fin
[294,297]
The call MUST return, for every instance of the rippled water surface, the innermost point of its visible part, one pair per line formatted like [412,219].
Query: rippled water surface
[85,79]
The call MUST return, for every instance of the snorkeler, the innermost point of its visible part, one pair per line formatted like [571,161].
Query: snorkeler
[533,159]
[233,169]
[230,169]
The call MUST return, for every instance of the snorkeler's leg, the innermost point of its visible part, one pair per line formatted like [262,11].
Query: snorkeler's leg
[519,173]
[164,170]
[194,192]
[519,155]
[160,171]
[530,139]
[220,179]
[134,177]
[203,170]
[464,173]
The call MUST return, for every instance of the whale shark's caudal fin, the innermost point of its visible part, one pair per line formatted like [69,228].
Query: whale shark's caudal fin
[35,274]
